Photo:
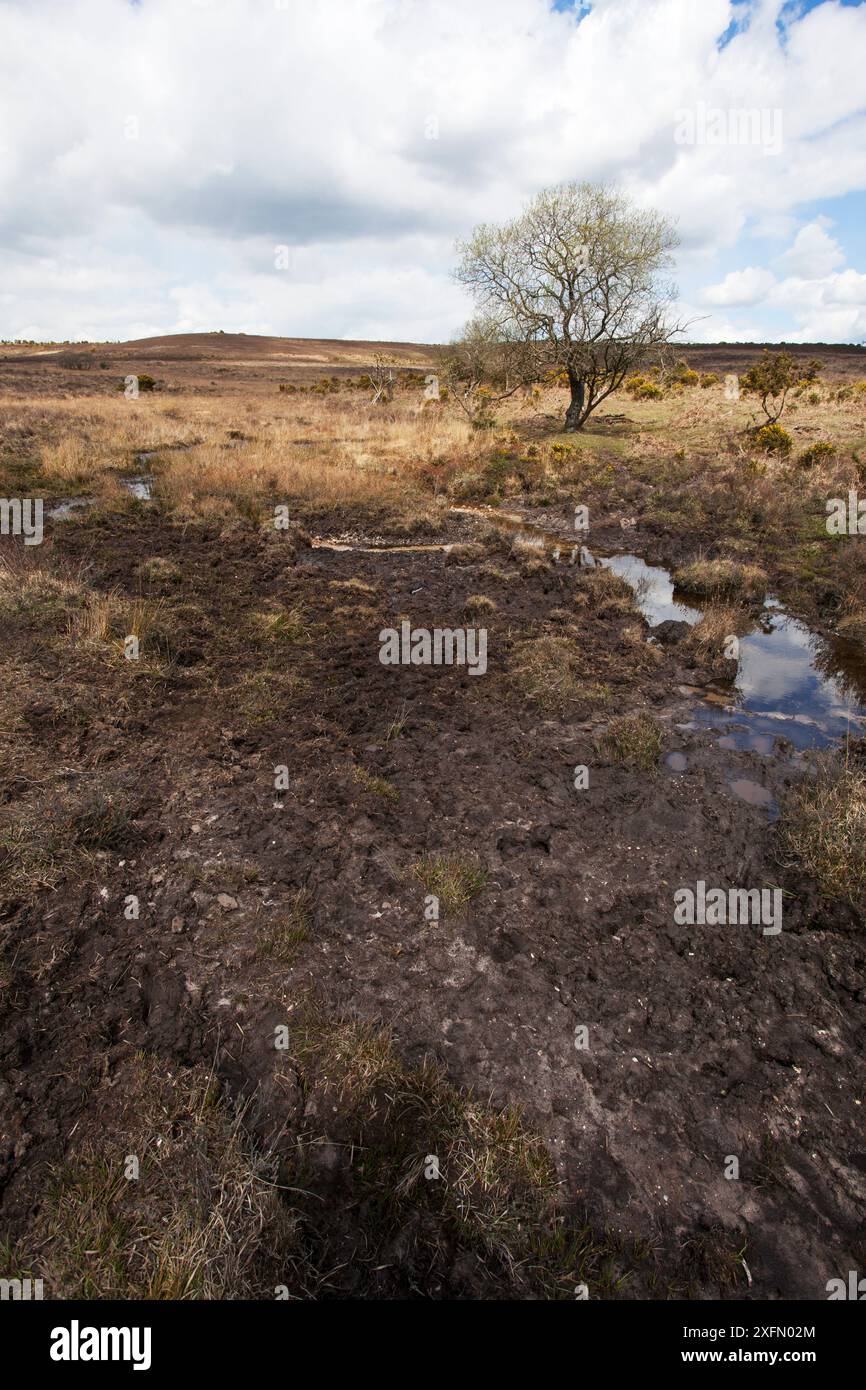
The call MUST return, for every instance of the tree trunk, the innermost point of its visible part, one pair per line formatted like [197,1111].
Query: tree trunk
[574,414]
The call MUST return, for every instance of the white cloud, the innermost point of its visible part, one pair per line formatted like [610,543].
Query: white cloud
[827,308]
[814,253]
[716,328]
[822,303]
[748,286]
[152,154]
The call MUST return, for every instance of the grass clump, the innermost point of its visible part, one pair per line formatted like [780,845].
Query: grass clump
[376,786]
[39,848]
[468,554]
[103,625]
[709,578]
[609,594]
[708,639]
[635,739]
[33,596]
[424,1156]
[397,725]
[103,821]
[260,697]
[290,928]
[454,879]
[498,575]
[158,570]
[353,586]
[549,671]
[284,626]
[199,1222]
[824,830]
[478,605]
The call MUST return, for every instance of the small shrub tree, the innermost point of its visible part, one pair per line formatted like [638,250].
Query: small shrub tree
[382,380]
[483,367]
[773,377]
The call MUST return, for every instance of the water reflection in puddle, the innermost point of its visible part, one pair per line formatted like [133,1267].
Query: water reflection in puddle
[654,588]
[790,682]
[745,740]
[755,795]
[141,487]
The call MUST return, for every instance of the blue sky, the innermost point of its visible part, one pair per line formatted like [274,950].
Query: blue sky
[155,157]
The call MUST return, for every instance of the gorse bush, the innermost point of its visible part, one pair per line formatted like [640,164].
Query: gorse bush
[642,389]
[774,440]
[681,374]
[821,452]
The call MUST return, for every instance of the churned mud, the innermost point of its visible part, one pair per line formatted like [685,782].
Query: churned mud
[290,805]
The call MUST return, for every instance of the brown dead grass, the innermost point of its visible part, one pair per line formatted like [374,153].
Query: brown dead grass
[201,1220]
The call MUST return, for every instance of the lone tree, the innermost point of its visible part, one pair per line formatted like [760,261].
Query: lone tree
[578,278]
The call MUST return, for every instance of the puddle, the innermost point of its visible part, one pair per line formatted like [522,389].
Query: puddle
[68,506]
[676,762]
[654,587]
[755,795]
[140,487]
[790,682]
[793,684]
[745,740]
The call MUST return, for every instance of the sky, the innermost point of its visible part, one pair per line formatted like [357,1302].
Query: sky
[305,167]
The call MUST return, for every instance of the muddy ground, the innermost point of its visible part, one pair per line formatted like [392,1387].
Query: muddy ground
[704,1042]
